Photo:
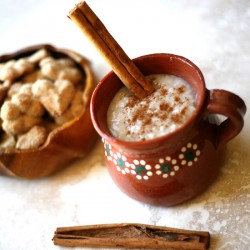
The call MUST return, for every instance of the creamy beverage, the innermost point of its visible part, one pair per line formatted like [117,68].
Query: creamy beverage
[166,109]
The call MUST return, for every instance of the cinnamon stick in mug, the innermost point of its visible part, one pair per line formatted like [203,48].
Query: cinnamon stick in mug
[115,56]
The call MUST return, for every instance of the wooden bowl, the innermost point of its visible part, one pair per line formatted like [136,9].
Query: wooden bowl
[71,140]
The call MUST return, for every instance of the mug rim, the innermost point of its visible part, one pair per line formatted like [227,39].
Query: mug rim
[188,123]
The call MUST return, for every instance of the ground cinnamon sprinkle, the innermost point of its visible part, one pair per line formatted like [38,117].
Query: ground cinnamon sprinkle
[176,118]
[148,119]
[177,98]
[164,106]
[181,89]
[132,101]
[167,108]
[164,91]
[163,116]
[183,111]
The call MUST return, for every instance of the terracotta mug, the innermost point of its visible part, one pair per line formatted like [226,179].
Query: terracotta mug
[180,165]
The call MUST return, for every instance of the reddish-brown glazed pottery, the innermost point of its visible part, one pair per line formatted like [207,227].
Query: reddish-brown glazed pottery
[64,144]
[173,168]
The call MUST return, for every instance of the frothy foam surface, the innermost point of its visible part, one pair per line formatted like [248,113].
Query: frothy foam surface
[166,109]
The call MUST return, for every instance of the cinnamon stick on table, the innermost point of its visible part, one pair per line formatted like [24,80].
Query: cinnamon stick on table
[121,64]
[131,236]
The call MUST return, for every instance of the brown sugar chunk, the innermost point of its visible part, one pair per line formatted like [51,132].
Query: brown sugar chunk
[13,69]
[20,113]
[38,93]
[55,97]
[60,69]
[35,137]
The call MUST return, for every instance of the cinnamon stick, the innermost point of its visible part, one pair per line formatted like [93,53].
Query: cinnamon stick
[115,56]
[131,236]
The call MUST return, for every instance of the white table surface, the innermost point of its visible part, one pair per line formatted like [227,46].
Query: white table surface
[215,35]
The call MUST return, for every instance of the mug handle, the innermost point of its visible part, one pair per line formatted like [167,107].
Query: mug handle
[232,107]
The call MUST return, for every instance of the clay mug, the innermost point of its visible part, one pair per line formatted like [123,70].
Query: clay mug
[180,165]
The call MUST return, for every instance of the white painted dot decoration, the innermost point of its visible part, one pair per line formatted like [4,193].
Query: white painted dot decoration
[176,168]
[161,160]
[158,172]
[168,158]
[174,161]
[166,167]
[132,166]
[157,166]
[133,172]
[136,162]
[142,162]
[181,156]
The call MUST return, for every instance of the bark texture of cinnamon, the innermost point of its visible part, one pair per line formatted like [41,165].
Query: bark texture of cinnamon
[114,55]
[131,236]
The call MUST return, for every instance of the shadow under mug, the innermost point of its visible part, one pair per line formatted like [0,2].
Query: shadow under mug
[180,165]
